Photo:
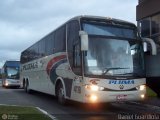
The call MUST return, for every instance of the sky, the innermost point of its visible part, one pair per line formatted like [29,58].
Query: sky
[23,22]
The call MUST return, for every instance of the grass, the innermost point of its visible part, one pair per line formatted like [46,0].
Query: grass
[151,93]
[21,113]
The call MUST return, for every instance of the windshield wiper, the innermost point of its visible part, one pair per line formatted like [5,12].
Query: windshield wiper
[131,74]
[106,70]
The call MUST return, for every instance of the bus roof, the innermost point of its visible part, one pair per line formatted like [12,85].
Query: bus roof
[90,17]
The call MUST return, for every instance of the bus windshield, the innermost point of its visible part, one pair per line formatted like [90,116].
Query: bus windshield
[113,51]
[13,72]
[114,57]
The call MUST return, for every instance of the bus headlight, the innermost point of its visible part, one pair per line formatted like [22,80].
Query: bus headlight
[141,87]
[6,83]
[94,87]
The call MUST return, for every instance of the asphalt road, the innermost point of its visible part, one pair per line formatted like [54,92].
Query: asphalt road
[77,111]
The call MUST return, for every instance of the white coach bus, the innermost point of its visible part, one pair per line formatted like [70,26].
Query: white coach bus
[88,59]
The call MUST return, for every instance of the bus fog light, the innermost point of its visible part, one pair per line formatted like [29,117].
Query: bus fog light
[93,98]
[142,87]
[142,96]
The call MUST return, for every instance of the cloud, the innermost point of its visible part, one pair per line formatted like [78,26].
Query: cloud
[24,22]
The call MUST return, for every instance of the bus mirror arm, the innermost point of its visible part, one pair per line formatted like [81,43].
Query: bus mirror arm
[84,40]
[152,43]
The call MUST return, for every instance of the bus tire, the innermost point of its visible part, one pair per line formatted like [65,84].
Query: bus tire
[26,88]
[61,94]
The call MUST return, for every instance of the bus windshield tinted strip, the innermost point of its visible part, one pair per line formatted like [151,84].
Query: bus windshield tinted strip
[109,30]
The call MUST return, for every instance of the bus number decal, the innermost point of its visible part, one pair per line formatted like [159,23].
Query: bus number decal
[77,89]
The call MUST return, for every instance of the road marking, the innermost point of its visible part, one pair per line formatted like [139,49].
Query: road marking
[46,113]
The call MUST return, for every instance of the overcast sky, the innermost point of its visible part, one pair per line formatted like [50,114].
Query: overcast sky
[23,22]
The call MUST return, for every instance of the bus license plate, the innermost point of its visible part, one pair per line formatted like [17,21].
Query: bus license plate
[121,97]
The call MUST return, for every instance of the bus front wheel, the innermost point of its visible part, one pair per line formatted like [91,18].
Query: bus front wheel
[60,94]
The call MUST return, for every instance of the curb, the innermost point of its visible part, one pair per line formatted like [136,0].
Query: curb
[38,108]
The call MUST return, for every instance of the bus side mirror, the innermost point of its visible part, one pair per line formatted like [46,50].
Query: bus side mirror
[152,43]
[84,40]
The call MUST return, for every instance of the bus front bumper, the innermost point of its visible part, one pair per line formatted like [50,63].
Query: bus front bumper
[107,96]
[11,84]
